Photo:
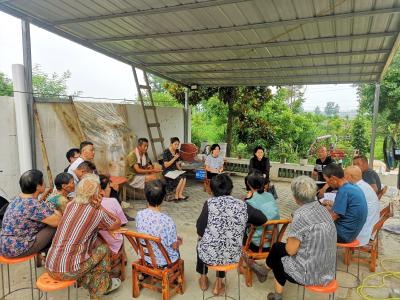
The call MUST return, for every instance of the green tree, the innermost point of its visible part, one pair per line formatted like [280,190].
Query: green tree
[317,111]
[359,135]
[389,101]
[331,109]
[54,85]
[6,87]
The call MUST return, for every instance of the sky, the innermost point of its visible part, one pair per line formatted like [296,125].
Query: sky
[96,75]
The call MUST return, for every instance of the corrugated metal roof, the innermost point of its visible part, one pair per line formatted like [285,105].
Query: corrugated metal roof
[231,42]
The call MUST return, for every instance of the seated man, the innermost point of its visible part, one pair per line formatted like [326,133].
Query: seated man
[349,210]
[140,167]
[85,167]
[72,155]
[322,161]
[87,154]
[368,175]
[64,183]
[354,175]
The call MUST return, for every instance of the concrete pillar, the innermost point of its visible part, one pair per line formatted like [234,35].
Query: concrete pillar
[186,118]
[22,118]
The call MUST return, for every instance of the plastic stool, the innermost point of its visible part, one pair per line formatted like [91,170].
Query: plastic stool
[11,261]
[46,283]
[329,289]
[353,244]
[225,269]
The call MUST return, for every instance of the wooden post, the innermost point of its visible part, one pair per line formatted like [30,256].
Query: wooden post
[43,146]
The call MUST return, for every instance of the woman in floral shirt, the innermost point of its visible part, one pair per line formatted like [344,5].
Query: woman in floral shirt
[29,224]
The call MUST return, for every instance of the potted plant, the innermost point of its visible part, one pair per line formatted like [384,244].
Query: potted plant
[284,151]
[303,158]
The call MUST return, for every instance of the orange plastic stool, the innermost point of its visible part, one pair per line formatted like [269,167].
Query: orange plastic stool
[12,261]
[329,289]
[225,269]
[46,283]
[354,244]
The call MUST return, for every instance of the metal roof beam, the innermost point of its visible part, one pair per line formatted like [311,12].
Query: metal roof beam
[151,11]
[261,25]
[286,83]
[266,59]
[240,78]
[42,24]
[391,55]
[279,69]
[268,44]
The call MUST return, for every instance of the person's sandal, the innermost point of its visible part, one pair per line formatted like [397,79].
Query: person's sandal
[261,271]
[115,284]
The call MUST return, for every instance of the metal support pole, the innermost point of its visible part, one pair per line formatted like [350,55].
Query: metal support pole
[374,123]
[186,118]
[27,55]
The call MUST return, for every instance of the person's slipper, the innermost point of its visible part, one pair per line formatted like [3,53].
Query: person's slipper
[184,198]
[261,271]
[115,284]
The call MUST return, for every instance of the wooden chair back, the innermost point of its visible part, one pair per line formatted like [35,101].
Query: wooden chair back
[385,214]
[273,232]
[144,244]
[382,192]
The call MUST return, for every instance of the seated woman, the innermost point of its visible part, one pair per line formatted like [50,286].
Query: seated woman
[153,222]
[64,183]
[214,163]
[114,241]
[29,224]
[220,227]
[77,252]
[171,162]
[258,163]
[309,255]
[264,202]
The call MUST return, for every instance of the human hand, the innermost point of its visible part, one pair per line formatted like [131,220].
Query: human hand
[46,194]
[96,202]
[327,203]
[176,156]
[179,240]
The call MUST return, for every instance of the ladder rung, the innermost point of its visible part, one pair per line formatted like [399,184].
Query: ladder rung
[160,140]
[154,124]
[144,87]
[149,107]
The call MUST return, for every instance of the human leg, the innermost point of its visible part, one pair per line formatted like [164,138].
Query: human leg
[202,269]
[42,241]
[182,189]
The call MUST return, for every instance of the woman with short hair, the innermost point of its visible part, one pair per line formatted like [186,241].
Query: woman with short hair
[77,253]
[64,183]
[258,163]
[29,224]
[309,255]
[171,162]
[153,222]
[220,228]
[214,162]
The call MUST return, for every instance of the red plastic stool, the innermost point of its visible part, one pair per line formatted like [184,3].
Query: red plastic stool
[46,283]
[11,261]
[225,269]
[352,245]
[329,289]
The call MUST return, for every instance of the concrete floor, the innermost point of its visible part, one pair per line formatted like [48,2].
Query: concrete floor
[185,215]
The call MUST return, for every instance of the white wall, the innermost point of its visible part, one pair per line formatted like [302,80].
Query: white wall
[58,141]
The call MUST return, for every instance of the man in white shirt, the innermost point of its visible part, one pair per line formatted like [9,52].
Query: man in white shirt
[87,153]
[353,174]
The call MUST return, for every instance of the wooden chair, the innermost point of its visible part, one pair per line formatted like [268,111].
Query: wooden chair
[382,192]
[119,260]
[271,233]
[168,281]
[372,248]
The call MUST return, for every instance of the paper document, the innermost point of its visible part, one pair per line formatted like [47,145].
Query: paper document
[330,196]
[174,174]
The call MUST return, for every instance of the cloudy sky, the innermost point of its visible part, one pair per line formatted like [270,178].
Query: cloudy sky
[99,76]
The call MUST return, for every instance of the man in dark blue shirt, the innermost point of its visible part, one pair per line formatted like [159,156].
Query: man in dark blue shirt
[349,210]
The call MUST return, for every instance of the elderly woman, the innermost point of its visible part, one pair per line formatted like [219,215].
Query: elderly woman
[29,224]
[309,254]
[171,162]
[153,222]
[76,252]
[221,227]
[214,163]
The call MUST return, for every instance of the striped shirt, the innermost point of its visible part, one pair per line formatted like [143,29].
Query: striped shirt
[75,237]
[314,262]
